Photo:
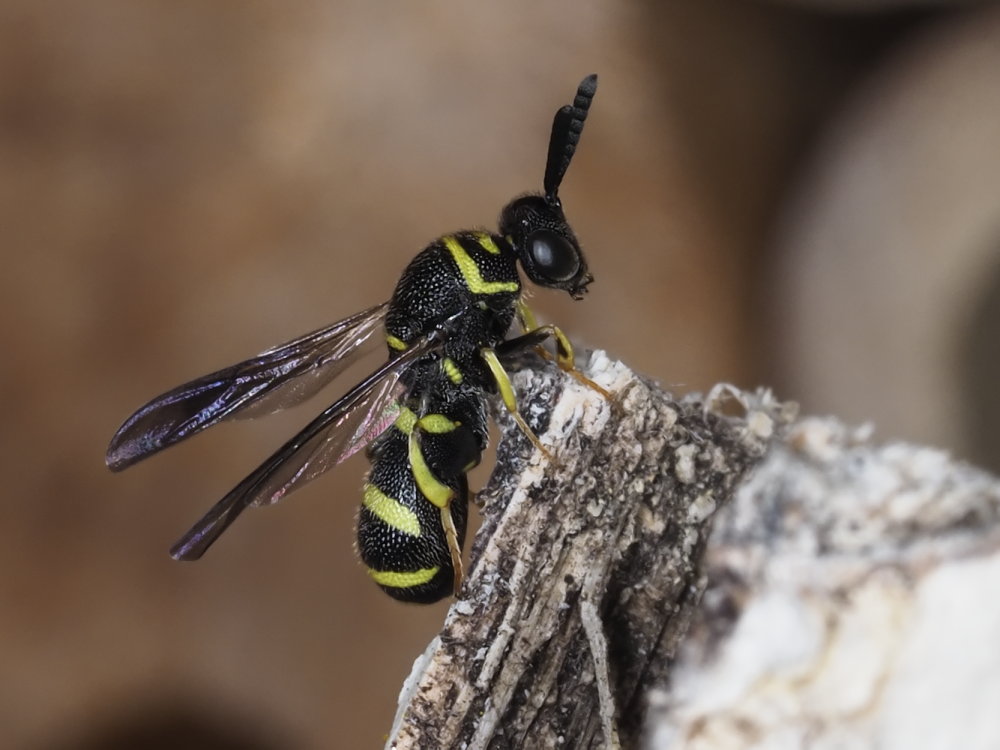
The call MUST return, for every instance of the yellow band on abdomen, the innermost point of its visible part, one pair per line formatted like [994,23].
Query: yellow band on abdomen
[390,511]
[396,580]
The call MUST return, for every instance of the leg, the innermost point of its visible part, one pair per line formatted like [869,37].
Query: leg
[454,545]
[535,334]
[507,396]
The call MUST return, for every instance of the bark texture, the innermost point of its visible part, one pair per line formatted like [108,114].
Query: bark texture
[587,571]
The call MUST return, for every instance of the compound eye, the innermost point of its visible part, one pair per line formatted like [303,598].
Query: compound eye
[553,255]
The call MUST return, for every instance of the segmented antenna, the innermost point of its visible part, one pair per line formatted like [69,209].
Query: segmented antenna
[566,128]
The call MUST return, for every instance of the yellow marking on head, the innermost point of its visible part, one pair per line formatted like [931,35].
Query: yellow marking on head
[390,511]
[486,242]
[471,274]
[451,370]
[397,580]
[429,485]
[396,343]
[405,421]
[437,423]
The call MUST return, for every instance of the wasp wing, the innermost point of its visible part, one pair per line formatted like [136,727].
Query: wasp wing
[341,430]
[275,379]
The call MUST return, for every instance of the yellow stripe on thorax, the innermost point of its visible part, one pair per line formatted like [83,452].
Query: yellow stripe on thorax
[470,271]
[396,343]
[451,370]
[397,580]
[486,243]
[390,511]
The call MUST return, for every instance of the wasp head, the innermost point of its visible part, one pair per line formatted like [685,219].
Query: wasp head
[545,244]
[535,224]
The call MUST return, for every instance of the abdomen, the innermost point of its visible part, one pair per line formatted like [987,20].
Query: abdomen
[417,483]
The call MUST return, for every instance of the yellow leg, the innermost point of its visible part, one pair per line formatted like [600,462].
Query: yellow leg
[432,488]
[508,398]
[451,534]
[525,316]
[564,350]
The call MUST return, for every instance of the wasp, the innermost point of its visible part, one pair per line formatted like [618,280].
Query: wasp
[422,416]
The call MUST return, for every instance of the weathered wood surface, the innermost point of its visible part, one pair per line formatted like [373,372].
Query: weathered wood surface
[846,596]
[586,572]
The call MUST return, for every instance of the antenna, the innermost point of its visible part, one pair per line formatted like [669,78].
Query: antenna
[566,128]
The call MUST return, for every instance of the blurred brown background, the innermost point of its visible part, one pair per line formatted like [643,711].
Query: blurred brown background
[804,195]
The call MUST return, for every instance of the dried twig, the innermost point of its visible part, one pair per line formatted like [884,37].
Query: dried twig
[586,572]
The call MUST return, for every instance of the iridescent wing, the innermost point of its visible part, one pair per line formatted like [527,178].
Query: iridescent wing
[275,379]
[342,429]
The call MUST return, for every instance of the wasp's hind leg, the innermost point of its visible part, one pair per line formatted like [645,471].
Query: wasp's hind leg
[441,450]
[535,334]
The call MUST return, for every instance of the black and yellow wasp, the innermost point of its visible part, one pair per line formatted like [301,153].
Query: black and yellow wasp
[423,414]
